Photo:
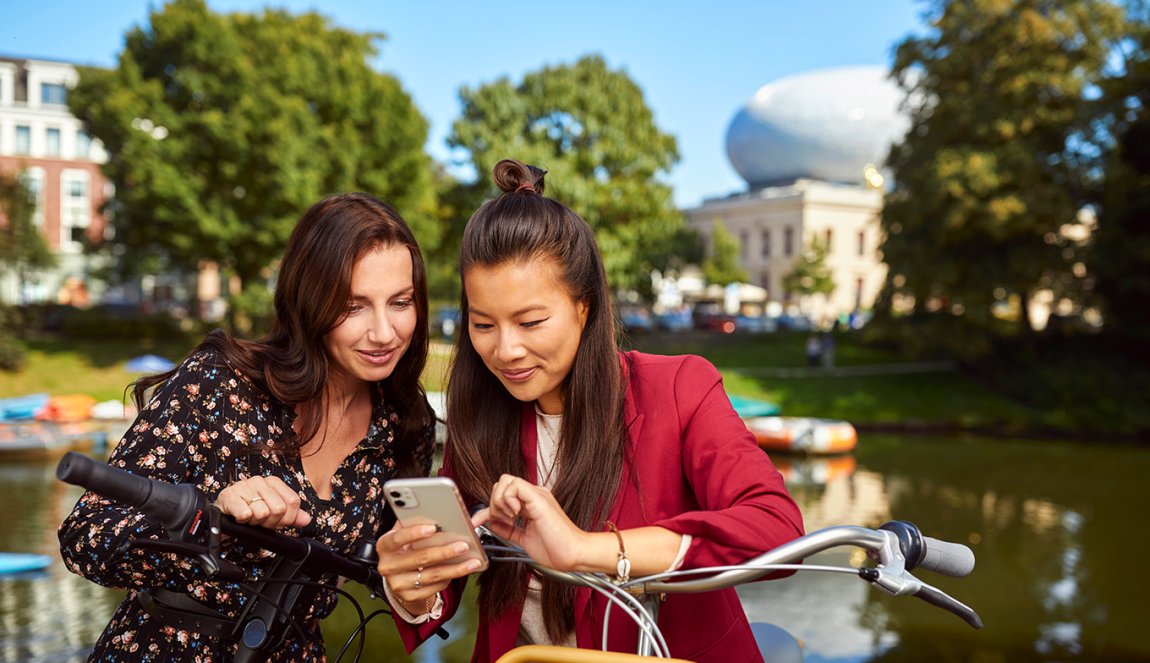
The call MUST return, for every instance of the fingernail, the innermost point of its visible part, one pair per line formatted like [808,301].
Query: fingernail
[428,530]
[459,547]
[472,564]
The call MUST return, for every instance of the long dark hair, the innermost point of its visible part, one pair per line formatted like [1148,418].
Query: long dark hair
[311,294]
[483,419]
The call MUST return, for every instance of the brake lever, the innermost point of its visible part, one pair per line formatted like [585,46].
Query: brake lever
[212,560]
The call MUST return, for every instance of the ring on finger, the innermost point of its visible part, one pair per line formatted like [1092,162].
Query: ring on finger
[253,500]
[418,578]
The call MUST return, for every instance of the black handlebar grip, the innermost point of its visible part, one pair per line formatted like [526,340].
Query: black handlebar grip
[168,504]
[949,559]
[941,600]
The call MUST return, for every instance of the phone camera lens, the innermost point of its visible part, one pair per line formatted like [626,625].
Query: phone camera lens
[400,503]
[396,493]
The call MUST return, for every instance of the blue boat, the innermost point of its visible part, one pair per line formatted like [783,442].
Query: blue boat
[11,563]
[749,407]
[22,407]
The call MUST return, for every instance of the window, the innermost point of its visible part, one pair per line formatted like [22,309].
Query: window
[744,242]
[83,144]
[33,178]
[858,292]
[76,209]
[766,244]
[52,142]
[53,93]
[862,243]
[830,237]
[789,242]
[23,139]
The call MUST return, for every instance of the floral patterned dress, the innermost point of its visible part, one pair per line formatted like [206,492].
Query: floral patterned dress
[195,430]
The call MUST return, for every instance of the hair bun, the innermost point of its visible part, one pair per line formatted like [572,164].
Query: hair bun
[513,176]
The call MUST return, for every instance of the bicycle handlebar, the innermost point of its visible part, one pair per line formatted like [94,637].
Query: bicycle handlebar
[184,511]
[897,547]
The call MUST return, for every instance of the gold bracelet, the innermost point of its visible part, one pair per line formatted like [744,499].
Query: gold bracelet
[428,604]
[623,566]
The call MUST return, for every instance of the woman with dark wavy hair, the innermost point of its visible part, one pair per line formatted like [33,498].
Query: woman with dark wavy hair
[297,430]
[590,458]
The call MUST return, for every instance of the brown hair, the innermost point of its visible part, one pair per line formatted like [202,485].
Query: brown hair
[484,419]
[311,294]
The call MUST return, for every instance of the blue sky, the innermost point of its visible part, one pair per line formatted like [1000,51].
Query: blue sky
[697,62]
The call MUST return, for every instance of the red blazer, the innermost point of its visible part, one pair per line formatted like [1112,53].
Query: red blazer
[701,473]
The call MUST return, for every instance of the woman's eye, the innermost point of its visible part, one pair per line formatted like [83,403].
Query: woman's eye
[354,308]
[482,325]
[534,323]
[402,303]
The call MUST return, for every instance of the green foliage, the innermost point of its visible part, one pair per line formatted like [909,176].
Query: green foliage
[592,130]
[12,351]
[811,275]
[101,323]
[251,310]
[224,128]
[721,267]
[1121,259]
[991,171]
[22,247]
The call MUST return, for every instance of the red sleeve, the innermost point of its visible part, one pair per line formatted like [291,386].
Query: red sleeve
[744,508]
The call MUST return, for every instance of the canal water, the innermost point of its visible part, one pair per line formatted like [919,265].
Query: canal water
[1058,529]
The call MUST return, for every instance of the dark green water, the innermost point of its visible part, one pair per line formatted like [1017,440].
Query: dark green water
[1058,530]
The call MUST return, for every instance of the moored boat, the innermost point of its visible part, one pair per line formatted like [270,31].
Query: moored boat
[804,435]
[749,407]
[16,408]
[12,563]
[41,440]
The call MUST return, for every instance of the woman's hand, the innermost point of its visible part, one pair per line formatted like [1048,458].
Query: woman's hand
[529,516]
[414,575]
[264,501]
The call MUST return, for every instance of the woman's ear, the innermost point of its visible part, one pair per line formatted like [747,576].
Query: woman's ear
[582,308]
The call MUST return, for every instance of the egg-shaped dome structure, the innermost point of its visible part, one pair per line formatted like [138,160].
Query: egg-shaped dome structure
[827,125]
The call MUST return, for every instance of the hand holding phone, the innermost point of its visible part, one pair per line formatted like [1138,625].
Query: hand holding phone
[435,501]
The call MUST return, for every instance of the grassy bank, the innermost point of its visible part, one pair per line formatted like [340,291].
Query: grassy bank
[869,387]
[96,366]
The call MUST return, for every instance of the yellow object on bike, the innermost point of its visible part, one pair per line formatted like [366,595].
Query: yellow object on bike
[550,654]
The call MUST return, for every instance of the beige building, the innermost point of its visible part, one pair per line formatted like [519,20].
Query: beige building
[773,224]
[810,148]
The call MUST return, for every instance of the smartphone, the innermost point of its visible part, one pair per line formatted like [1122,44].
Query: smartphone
[435,501]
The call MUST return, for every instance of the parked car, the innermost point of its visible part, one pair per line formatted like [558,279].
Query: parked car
[717,322]
[675,321]
[636,319]
[755,324]
[798,322]
[446,321]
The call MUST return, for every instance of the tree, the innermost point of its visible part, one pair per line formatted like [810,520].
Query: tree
[721,266]
[224,128]
[22,248]
[992,168]
[1121,260]
[591,129]
[811,275]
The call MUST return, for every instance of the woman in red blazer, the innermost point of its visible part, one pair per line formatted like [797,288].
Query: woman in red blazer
[591,459]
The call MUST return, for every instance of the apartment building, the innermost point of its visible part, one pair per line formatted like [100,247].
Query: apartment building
[46,146]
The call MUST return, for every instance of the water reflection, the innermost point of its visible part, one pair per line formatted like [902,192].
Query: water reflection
[51,616]
[1057,576]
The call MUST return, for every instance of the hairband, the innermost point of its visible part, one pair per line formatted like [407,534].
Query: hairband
[526,186]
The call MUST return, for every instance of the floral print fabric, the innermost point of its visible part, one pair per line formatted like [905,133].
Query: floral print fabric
[209,426]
